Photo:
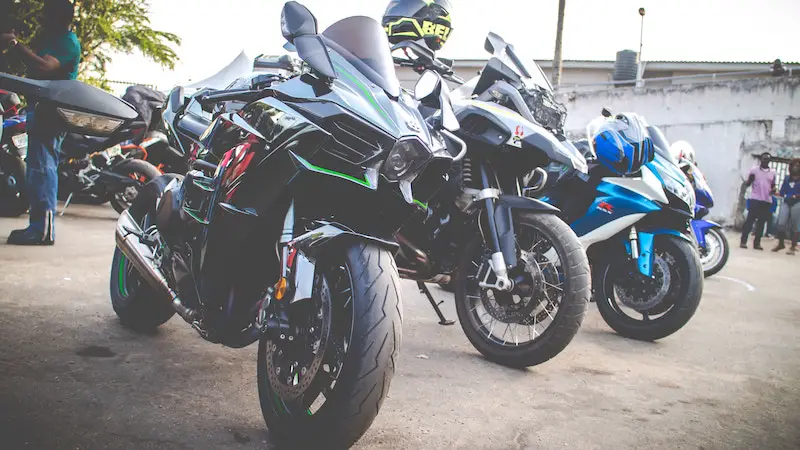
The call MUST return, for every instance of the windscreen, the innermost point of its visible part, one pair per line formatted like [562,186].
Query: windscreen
[522,63]
[362,42]
[660,142]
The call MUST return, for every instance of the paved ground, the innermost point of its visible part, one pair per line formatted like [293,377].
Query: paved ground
[71,377]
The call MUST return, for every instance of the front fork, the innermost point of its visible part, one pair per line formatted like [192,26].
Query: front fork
[640,248]
[501,232]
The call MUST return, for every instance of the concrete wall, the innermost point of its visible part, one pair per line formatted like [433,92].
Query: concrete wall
[725,122]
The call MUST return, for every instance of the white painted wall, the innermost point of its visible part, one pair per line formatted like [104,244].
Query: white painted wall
[725,122]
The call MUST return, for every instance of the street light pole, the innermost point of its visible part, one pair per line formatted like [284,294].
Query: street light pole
[641,34]
[556,75]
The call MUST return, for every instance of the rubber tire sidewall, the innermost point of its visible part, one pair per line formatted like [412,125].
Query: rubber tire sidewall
[132,166]
[680,313]
[146,309]
[725,252]
[369,363]
[571,310]
[18,205]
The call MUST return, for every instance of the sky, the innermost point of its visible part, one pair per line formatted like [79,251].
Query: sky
[214,32]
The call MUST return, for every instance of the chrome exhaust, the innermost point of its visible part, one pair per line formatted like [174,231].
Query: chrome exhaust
[142,256]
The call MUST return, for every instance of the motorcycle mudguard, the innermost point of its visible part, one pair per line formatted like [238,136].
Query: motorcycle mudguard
[331,234]
[700,227]
[646,244]
[505,223]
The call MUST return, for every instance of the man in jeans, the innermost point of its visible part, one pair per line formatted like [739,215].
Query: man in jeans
[56,57]
[789,219]
[762,182]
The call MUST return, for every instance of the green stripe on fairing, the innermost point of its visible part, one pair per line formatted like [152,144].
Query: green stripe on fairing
[421,205]
[194,215]
[367,93]
[334,173]
[122,290]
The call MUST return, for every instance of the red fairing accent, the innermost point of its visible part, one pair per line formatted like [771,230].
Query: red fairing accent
[233,166]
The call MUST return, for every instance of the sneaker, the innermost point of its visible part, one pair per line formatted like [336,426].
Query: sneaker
[791,251]
[744,246]
[758,247]
[779,247]
[27,237]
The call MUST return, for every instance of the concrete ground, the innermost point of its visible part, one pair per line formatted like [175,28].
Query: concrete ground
[72,378]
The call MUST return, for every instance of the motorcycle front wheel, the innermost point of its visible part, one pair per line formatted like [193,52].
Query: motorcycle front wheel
[321,385]
[648,309]
[538,318]
[714,257]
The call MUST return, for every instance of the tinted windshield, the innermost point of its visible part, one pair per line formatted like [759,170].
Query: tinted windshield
[363,43]
[522,63]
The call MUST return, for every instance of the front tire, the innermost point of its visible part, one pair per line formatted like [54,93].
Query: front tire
[13,201]
[351,379]
[718,252]
[569,299]
[681,297]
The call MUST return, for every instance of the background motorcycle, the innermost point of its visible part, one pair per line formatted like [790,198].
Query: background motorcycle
[523,278]
[711,242]
[13,149]
[288,240]
[96,170]
[647,275]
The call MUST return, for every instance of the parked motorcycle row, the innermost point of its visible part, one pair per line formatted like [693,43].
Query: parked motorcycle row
[293,201]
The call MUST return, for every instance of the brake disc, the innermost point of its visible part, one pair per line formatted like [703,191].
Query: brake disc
[643,294]
[503,306]
[292,365]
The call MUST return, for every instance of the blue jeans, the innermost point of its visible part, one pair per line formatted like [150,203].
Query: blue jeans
[41,178]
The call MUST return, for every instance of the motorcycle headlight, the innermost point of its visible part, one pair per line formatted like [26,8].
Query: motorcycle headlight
[405,160]
[91,123]
[681,190]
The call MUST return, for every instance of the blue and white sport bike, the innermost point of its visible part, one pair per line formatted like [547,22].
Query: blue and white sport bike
[13,148]
[634,225]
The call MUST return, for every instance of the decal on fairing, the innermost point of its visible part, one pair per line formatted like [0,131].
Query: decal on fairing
[516,138]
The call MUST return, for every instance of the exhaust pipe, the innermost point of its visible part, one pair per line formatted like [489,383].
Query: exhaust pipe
[141,256]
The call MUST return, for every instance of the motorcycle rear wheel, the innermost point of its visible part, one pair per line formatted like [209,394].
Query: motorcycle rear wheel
[672,312]
[360,333]
[570,286]
[134,168]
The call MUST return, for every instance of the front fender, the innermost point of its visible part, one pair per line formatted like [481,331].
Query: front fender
[699,229]
[329,235]
[504,221]
[646,240]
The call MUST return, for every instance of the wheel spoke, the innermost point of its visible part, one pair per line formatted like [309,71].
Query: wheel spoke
[556,287]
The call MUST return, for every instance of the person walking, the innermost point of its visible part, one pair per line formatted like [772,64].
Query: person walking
[789,218]
[56,57]
[761,180]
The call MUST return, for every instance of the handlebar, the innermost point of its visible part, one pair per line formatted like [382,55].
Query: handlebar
[225,96]
[458,141]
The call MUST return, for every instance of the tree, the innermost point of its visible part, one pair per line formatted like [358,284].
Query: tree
[103,27]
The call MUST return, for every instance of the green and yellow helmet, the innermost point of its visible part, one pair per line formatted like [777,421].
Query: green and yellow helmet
[427,20]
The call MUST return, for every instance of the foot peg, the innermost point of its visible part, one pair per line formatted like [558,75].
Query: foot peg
[424,290]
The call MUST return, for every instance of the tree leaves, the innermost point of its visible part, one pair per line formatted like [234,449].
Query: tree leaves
[103,27]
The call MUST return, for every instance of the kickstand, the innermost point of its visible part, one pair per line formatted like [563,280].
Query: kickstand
[66,204]
[424,289]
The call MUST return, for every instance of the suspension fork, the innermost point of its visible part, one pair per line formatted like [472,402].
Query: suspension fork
[498,260]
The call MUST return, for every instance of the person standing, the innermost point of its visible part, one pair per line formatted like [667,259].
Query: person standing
[789,218]
[761,180]
[56,57]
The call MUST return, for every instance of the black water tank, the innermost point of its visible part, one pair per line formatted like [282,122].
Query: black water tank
[626,67]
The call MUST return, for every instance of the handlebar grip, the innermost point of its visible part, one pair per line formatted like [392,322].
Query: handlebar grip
[458,141]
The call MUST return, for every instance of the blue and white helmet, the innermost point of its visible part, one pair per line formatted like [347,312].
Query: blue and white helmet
[621,143]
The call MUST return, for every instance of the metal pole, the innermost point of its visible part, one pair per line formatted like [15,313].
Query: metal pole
[641,34]
[556,76]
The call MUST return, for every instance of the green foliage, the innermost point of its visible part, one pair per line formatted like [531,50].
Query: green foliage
[103,27]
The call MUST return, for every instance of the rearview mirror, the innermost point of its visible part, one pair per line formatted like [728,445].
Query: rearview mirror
[297,20]
[428,88]
[493,43]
